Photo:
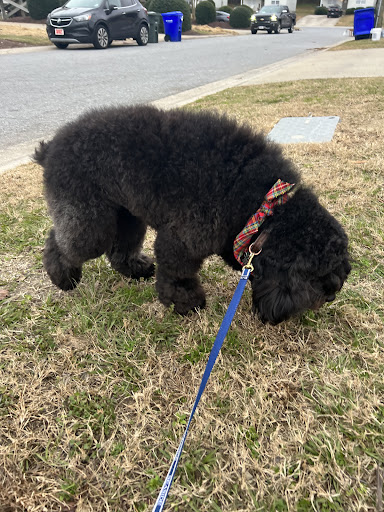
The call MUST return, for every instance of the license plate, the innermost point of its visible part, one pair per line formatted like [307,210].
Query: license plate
[59,31]
[261,27]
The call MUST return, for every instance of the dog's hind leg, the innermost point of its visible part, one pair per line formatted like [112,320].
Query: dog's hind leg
[82,231]
[62,272]
[177,281]
[125,255]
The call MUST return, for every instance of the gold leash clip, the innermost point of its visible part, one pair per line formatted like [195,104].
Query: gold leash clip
[251,256]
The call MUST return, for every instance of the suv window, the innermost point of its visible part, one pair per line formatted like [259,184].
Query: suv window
[127,3]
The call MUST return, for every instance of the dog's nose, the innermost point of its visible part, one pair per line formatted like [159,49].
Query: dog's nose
[330,298]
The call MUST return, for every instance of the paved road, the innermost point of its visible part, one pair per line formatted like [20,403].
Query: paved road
[52,87]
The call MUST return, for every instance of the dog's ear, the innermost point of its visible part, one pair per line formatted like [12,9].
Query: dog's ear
[272,302]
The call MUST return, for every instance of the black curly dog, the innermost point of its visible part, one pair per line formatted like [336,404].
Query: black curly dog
[195,178]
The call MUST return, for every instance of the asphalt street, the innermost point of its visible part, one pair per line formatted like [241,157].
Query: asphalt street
[49,88]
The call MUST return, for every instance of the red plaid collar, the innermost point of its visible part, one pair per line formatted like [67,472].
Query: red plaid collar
[275,196]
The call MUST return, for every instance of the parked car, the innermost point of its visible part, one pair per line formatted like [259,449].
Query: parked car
[222,16]
[334,11]
[273,18]
[98,22]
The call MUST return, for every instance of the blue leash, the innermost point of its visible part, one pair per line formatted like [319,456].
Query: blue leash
[247,269]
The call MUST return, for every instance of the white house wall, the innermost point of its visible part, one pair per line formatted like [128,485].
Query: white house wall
[360,3]
[257,4]
[254,4]
[291,3]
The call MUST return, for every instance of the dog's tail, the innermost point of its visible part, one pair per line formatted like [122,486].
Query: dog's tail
[41,152]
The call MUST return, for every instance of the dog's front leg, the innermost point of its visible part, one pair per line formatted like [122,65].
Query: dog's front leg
[177,281]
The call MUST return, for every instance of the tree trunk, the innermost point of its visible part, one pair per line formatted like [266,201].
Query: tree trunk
[2,10]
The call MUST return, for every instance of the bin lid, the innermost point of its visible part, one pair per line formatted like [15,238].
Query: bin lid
[363,12]
[172,13]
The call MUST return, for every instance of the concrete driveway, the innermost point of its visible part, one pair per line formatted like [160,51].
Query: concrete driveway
[313,20]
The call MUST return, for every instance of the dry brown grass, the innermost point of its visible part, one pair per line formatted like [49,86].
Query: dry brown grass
[346,21]
[96,385]
[211,31]
[27,34]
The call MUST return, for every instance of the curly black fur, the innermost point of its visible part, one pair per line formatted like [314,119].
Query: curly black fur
[195,178]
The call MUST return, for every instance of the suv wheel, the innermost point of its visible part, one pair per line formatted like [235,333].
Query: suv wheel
[277,29]
[101,37]
[143,35]
[290,30]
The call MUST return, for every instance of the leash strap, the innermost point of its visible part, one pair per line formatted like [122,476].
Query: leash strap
[162,497]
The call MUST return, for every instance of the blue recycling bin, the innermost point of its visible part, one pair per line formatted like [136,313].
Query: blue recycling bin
[172,25]
[364,21]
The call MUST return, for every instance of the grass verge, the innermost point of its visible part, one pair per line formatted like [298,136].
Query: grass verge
[32,36]
[305,8]
[359,44]
[96,384]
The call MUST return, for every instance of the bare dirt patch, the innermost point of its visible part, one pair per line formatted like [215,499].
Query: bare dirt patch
[5,44]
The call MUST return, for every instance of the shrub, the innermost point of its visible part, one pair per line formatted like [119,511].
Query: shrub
[39,9]
[240,17]
[352,10]
[321,10]
[251,11]
[226,8]
[173,5]
[213,3]
[205,12]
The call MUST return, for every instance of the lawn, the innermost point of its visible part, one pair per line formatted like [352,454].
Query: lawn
[96,385]
[306,8]
[34,36]
[359,44]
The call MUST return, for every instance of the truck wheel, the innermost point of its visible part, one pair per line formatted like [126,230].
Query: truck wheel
[253,31]
[290,29]
[269,31]
[277,29]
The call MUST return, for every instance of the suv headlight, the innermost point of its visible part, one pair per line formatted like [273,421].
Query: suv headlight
[83,17]
[273,17]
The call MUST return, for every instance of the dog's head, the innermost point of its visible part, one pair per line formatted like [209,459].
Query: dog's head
[304,261]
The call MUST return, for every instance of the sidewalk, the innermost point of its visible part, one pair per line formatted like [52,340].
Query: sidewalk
[314,65]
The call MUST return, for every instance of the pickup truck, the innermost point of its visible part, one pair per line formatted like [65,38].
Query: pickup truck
[273,18]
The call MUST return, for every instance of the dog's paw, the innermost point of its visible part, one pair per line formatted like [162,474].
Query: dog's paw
[135,267]
[186,294]
[142,266]
[183,308]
